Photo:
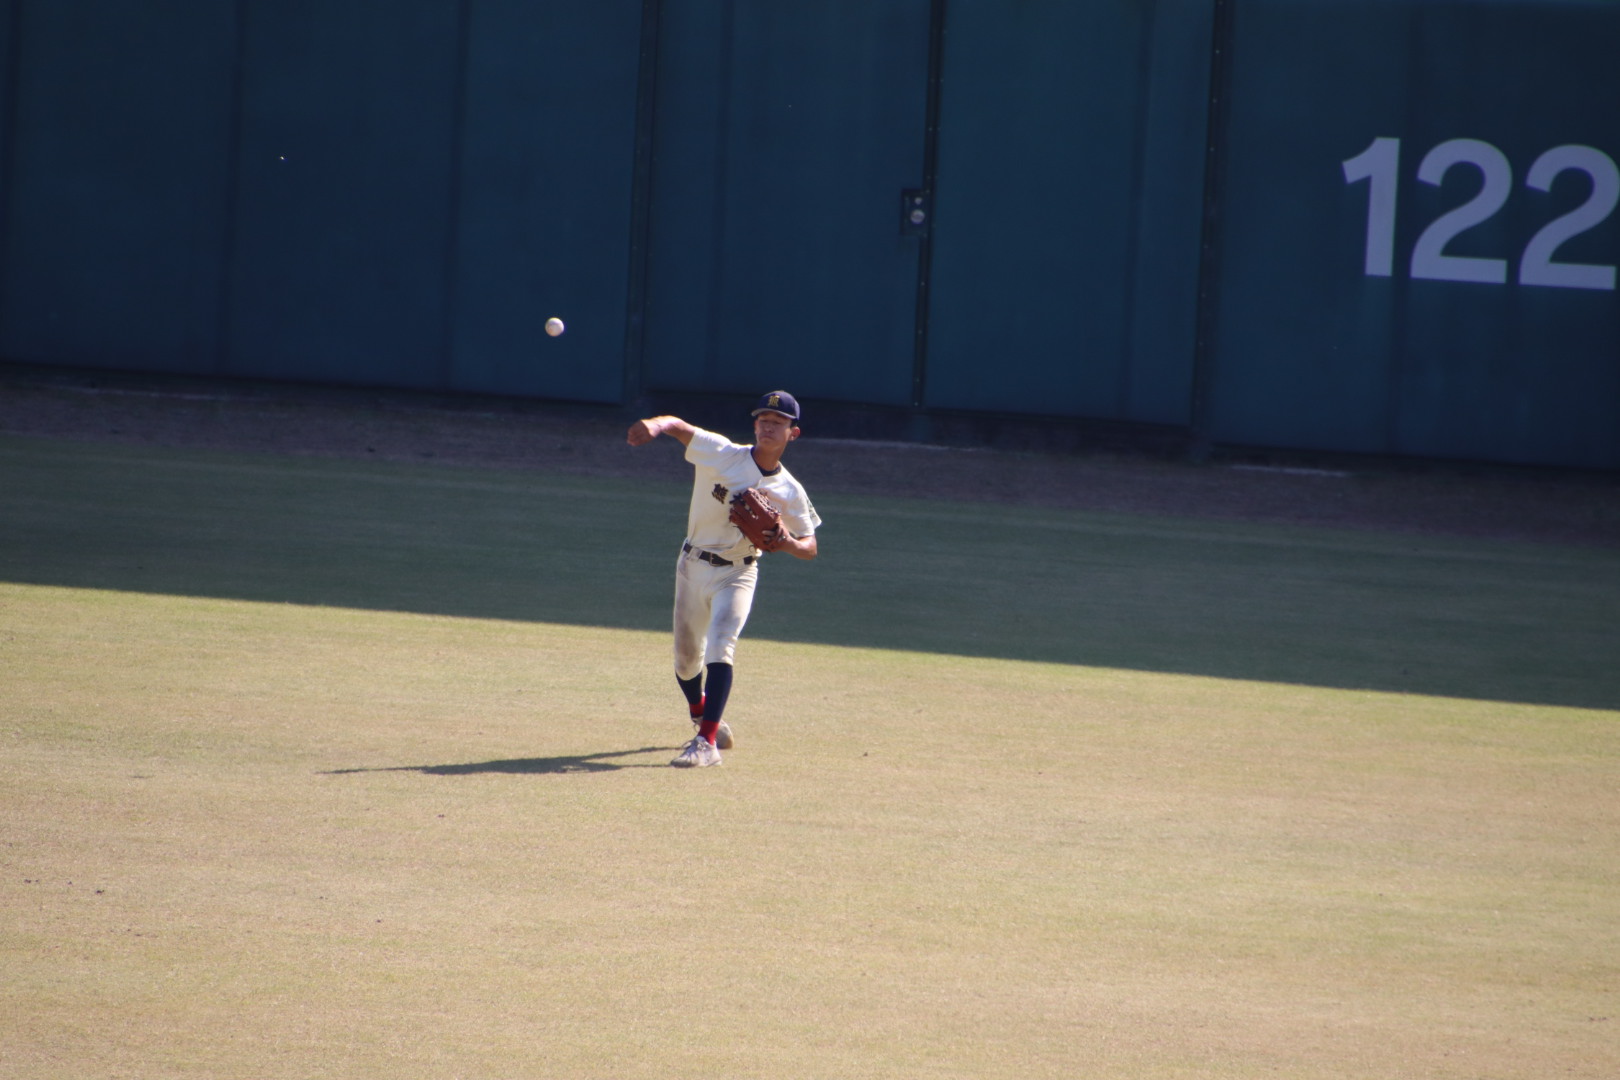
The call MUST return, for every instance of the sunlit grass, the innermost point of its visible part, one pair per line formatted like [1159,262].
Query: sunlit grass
[253,839]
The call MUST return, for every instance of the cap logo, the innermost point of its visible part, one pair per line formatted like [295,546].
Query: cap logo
[775,400]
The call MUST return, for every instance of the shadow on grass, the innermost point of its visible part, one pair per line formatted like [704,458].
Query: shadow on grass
[1319,607]
[552,766]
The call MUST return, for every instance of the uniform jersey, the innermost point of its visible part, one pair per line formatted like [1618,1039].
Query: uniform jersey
[720,469]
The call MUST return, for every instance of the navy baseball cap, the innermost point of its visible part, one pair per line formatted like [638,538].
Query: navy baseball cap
[778,401]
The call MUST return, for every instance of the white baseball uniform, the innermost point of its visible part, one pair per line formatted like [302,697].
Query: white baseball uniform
[718,567]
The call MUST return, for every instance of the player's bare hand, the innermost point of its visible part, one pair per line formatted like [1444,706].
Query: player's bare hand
[645,431]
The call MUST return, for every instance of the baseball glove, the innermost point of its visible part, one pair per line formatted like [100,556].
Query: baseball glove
[757,517]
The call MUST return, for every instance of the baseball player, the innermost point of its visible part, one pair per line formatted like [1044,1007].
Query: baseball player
[719,565]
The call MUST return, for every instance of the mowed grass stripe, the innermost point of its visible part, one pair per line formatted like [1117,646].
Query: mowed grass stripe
[275,840]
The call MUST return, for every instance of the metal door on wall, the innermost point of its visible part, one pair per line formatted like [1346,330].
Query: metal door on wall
[114,129]
[546,164]
[343,174]
[1064,272]
[784,137]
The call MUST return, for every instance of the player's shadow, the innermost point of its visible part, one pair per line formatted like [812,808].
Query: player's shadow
[548,766]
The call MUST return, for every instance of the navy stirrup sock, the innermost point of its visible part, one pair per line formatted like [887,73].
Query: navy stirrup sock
[715,695]
[693,689]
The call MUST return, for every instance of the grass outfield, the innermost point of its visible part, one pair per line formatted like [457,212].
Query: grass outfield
[331,768]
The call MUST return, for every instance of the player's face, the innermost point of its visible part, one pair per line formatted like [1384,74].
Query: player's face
[773,429]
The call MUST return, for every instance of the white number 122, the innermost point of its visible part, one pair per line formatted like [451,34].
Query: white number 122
[1379,164]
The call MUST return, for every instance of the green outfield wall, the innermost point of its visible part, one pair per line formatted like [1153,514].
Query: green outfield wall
[1378,227]
[1418,230]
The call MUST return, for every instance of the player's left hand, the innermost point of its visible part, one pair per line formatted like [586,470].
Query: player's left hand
[757,517]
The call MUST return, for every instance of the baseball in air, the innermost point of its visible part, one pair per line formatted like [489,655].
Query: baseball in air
[555,327]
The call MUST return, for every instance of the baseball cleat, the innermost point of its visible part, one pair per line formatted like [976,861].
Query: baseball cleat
[697,754]
[722,735]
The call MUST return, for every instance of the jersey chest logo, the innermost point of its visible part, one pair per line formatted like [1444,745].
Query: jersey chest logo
[720,493]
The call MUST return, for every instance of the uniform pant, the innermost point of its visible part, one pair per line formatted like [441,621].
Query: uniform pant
[711,605]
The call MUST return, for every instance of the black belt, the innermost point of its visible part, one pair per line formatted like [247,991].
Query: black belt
[714,560]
